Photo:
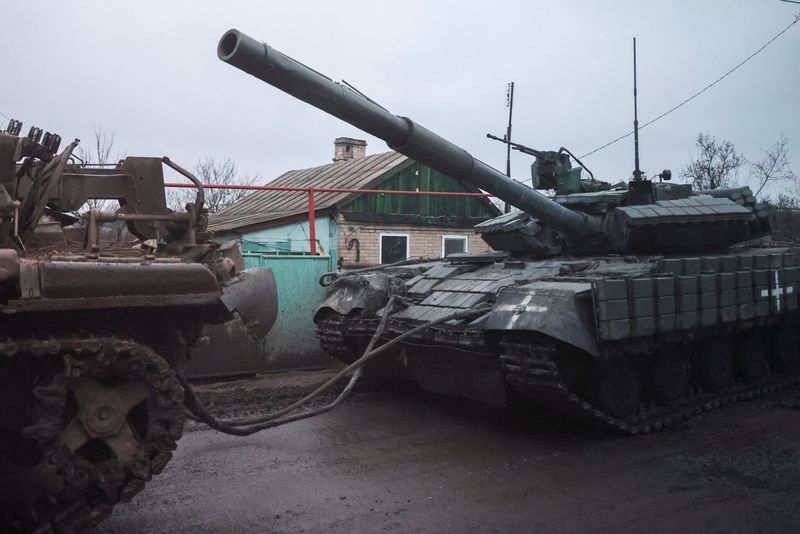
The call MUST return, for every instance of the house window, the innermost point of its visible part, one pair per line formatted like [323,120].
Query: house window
[454,244]
[394,247]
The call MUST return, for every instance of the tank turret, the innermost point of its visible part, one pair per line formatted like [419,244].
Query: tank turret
[638,222]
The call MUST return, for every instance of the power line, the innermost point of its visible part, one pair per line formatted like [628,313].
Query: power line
[700,92]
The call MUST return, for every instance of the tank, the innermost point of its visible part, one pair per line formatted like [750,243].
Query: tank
[97,313]
[628,306]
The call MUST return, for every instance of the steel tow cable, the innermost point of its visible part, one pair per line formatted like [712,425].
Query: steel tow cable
[281,417]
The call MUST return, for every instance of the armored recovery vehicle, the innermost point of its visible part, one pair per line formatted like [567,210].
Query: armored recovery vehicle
[93,327]
[628,306]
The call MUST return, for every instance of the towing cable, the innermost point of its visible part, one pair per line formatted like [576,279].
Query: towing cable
[247,427]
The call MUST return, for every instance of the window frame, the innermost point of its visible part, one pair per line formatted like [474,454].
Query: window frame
[463,237]
[381,235]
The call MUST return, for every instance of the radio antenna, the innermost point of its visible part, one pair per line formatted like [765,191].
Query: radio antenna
[637,173]
[510,106]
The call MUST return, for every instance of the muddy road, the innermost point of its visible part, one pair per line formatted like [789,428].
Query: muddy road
[402,461]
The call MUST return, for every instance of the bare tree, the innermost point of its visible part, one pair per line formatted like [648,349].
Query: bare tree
[775,166]
[99,153]
[716,164]
[211,171]
[784,216]
[785,201]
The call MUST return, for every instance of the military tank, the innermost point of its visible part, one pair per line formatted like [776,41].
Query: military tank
[628,306]
[95,324]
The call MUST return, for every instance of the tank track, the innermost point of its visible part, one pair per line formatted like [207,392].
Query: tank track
[75,490]
[531,370]
[330,330]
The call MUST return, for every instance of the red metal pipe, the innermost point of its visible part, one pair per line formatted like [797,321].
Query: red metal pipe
[312,223]
[312,219]
[329,190]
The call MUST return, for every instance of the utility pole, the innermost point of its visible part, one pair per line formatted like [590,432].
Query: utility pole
[507,137]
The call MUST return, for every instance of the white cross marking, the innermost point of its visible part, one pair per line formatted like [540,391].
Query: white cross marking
[523,307]
[777,292]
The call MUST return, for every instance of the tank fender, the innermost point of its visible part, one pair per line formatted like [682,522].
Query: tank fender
[560,310]
[362,292]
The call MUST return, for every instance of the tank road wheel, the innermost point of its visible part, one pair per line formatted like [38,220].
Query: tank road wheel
[105,420]
[669,376]
[752,357]
[619,389]
[715,364]
[786,350]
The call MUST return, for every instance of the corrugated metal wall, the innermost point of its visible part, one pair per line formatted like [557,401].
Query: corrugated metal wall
[418,177]
[291,344]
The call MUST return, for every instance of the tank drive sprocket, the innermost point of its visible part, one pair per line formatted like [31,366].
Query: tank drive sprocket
[103,418]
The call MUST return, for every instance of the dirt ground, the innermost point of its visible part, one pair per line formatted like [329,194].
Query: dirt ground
[403,461]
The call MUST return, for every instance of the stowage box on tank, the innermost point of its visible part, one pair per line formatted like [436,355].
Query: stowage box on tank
[627,306]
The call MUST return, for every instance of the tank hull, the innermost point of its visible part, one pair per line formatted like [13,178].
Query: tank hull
[632,344]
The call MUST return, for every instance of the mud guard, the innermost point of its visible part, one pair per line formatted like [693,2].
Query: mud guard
[348,293]
[560,310]
[253,295]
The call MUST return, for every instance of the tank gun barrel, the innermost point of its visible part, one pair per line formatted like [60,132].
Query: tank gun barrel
[400,133]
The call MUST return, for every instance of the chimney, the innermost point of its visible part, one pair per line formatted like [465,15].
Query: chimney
[345,148]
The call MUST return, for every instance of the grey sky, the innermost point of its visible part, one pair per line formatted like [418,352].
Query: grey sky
[149,72]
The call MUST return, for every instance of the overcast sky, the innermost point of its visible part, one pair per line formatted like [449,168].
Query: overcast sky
[149,72]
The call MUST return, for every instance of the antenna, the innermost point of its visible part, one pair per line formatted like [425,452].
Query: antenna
[510,105]
[637,173]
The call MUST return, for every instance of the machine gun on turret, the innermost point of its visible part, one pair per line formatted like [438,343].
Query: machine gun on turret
[552,170]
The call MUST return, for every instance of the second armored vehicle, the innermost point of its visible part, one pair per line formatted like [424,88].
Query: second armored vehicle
[96,324]
[629,306]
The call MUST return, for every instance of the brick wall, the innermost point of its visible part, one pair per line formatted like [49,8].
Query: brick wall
[424,240]
[345,148]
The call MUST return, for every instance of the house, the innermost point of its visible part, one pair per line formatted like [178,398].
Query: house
[360,229]
[352,229]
